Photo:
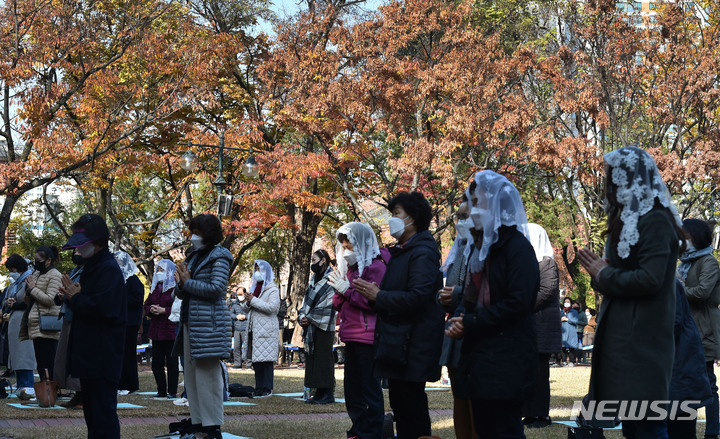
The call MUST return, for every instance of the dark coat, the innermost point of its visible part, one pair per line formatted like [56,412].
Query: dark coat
[499,353]
[407,297]
[135,292]
[702,288]
[635,342]
[547,312]
[97,338]
[235,309]
[161,328]
[689,377]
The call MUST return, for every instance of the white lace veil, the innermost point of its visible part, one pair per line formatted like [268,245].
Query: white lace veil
[505,208]
[127,265]
[365,246]
[167,277]
[266,270]
[540,241]
[639,184]
[455,249]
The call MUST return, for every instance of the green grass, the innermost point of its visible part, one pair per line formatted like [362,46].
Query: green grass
[567,386]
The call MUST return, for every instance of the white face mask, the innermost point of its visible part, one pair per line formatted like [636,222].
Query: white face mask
[197,242]
[587,314]
[477,215]
[85,251]
[689,246]
[350,258]
[259,277]
[567,305]
[14,276]
[463,228]
[397,226]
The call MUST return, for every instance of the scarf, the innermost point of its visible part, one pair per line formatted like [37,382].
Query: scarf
[258,289]
[318,309]
[688,258]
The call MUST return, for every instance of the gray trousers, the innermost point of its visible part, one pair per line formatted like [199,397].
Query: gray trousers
[237,348]
[204,386]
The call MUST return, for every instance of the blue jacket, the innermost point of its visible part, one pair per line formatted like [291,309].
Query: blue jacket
[569,329]
[97,337]
[204,308]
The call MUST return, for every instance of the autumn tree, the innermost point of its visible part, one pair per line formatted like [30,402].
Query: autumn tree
[83,84]
[605,82]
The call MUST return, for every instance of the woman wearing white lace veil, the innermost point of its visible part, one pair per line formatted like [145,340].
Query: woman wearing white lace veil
[536,411]
[134,295]
[359,256]
[634,342]
[496,317]
[261,305]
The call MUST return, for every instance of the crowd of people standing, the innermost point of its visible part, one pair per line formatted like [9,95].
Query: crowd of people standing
[491,312]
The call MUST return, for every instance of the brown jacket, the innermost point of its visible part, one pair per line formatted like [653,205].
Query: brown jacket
[42,299]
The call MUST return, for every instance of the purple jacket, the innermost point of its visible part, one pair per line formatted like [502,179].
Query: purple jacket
[160,327]
[357,320]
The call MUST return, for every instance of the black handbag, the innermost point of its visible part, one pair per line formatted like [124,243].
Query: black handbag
[392,343]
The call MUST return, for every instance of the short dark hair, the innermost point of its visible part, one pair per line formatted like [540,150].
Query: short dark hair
[416,205]
[49,252]
[94,227]
[209,228]
[342,238]
[17,262]
[699,231]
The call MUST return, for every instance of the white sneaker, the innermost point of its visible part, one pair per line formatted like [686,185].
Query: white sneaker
[181,401]
[26,393]
[123,392]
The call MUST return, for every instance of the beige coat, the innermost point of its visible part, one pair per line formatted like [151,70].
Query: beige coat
[43,295]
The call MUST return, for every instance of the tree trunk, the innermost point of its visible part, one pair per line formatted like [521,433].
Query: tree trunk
[307,226]
[5,214]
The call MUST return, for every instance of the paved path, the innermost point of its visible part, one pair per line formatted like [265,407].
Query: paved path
[58,422]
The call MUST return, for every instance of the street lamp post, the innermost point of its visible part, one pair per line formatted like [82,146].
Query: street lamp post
[250,168]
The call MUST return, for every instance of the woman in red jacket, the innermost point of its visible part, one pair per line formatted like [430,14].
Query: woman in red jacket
[162,331]
[359,256]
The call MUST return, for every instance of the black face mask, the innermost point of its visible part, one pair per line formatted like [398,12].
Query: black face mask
[78,260]
[40,267]
[316,268]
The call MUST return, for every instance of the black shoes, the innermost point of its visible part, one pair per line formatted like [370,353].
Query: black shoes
[538,422]
[322,396]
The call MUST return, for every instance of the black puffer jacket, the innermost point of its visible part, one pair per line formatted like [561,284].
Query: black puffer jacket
[547,310]
[499,353]
[407,299]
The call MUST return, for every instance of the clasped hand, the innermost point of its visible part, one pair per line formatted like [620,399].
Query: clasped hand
[69,288]
[367,289]
[456,328]
[591,262]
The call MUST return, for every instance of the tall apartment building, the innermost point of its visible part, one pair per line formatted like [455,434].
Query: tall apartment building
[644,13]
